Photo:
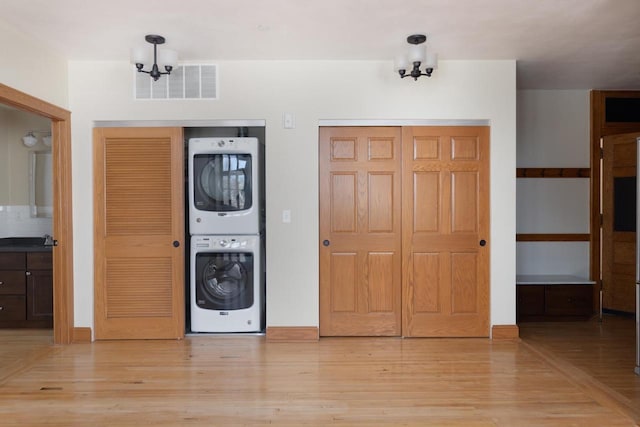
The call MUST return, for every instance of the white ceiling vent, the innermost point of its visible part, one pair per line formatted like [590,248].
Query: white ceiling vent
[193,81]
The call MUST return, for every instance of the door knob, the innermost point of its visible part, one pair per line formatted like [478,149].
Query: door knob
[326,242]
[483,242]
[176,243]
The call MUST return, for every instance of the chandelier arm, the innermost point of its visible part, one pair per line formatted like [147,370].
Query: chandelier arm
[155,72]
[149,72]
[415,76]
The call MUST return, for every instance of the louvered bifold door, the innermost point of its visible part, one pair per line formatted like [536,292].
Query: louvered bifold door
[139,233]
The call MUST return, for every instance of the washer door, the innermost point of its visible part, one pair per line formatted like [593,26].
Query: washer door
[222,182]
[224,281]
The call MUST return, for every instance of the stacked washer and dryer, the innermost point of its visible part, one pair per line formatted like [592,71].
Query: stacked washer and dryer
[226,281]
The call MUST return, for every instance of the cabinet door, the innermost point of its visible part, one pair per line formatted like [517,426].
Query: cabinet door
[530,301]
[40,295]
[569,300]
[139,232]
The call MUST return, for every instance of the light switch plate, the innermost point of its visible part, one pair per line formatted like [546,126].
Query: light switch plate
[288,121]
[286,216]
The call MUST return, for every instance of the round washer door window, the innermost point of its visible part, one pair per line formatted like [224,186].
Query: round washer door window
[225,281]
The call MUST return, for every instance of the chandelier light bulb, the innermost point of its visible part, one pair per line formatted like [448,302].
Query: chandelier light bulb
[46,140]
[417,53]
[29,140]
[401,63]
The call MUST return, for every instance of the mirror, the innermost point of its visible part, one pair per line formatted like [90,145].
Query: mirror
[41,184]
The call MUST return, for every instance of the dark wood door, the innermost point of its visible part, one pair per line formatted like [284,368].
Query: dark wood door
[618,222]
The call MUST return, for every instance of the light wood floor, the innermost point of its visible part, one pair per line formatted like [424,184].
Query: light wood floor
[598,355]
[231,380]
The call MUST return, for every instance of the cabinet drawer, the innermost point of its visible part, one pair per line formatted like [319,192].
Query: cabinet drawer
[11,282]
[12,307]
[39,261]
[569,300]
[12,261]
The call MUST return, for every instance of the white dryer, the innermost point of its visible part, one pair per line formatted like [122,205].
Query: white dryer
[224,186]
[226,285]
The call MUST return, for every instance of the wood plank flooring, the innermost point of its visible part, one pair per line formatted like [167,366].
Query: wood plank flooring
[243,380]
[600,353]
[19,349]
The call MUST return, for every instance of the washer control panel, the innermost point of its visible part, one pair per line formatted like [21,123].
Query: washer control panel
[223,242]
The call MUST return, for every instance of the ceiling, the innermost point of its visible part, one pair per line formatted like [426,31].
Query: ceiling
[558,44]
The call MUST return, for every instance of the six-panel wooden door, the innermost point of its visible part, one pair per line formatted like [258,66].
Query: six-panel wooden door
[445,223]
[360,260]
[138,233]
[404,227]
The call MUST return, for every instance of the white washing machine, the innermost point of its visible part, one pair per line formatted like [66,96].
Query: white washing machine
[224,186]
[226,285]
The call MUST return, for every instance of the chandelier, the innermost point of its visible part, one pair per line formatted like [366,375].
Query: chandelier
[30,139]
[166,57]
[417,57]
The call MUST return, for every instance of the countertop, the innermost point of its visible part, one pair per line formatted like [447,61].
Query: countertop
[23,244]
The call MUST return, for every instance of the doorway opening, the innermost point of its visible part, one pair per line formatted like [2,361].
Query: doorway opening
[62,209]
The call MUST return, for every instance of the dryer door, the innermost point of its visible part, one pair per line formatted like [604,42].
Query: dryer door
[224,281]
[222,182]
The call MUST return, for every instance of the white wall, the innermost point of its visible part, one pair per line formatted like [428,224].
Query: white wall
[553,131]
[312,91]
[32,68]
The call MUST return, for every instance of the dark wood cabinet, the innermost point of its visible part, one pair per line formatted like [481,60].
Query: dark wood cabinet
[12,308]
[554,301]
[568,300]
[530,300]
[26,290]
[40,295]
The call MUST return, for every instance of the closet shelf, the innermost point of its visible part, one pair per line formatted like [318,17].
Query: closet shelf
[552,237]
[553,172]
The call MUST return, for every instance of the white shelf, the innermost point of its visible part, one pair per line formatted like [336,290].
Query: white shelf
[551,279]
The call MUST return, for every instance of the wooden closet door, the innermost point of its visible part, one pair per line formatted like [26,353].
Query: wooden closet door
[445,222]
[139,233]
[360,239]
[618,222]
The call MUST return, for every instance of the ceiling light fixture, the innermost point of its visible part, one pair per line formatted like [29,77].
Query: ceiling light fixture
[30,140]
[167,58]
[418,57]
